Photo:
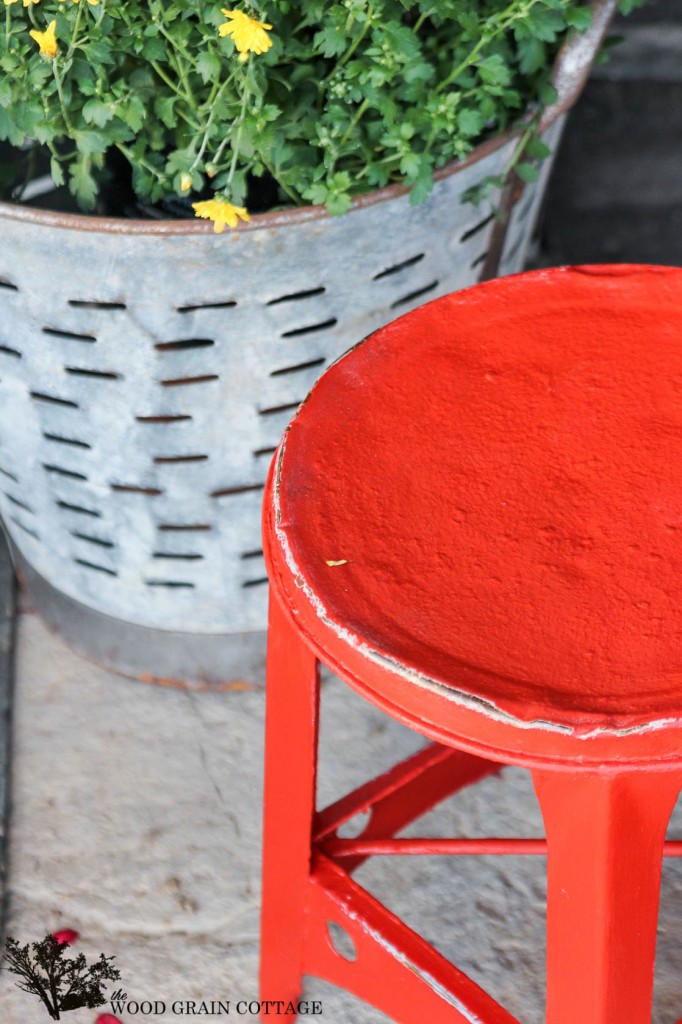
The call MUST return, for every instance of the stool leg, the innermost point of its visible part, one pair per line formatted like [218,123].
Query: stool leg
[605,835]
[291,728]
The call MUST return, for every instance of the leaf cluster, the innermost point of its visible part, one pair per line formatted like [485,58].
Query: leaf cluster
[352,95]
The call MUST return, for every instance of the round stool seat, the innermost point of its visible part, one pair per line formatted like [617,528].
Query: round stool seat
[482,502]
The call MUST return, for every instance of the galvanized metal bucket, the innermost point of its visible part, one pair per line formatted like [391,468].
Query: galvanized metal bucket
[148,369]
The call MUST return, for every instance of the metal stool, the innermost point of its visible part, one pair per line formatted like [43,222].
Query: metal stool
[475,520]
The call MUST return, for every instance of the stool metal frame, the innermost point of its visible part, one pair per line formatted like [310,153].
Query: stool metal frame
[606,793]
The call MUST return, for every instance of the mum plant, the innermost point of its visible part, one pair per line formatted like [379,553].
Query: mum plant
[304,101]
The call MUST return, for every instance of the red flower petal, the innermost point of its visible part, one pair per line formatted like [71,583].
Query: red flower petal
[107,1018]
[66,935]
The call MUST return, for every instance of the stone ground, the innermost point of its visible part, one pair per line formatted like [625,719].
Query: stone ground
[137,822]
[135,810]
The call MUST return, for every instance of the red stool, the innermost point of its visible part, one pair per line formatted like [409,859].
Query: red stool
[475,520]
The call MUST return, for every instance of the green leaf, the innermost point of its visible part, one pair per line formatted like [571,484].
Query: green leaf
[9,130]
[536,149]
[579,18]
[331,41]
[39,73]
[43,132]
[547,94]
[90,142]
[532,55]
[627,6]
[27,116]
[316,193]
[338,203]
[180,160]
[423,183]
[99,53]
[545,24]
[483,190]
[10,64]
[208,65]
[494,71]
[95,111]
[164,107]
[402,39]
[82,184]
[469,122]
[154,49]
[133,112]
[410,164]
[56,172]
[527,172]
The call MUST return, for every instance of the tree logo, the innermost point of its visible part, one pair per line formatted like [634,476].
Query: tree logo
[61,982]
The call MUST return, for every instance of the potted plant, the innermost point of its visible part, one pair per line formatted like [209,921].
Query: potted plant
[149,360]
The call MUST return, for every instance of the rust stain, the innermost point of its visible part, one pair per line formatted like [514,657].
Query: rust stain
[202,686]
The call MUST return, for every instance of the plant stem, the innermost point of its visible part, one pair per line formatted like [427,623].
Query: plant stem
[62,104]
[74,34]
[512,14]
[182,71]
[242,115]
[138,161]
[294,196]
[171,84]
[351,49]
[209,123]
[354,120]
[358,39]
[422,18]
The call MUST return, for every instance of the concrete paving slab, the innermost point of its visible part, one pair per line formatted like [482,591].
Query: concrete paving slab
[137,822]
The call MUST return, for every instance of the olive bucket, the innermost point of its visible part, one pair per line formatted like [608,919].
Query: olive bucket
[148,369]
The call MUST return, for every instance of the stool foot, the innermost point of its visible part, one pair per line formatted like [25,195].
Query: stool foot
[291,729]
[605,835]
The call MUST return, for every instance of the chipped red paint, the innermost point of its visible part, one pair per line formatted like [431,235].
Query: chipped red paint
[475,519]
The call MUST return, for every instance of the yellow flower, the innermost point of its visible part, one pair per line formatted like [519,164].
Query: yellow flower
[248,35]
[8,2]
[185,182]
[47,40]
[221,212]
[93,3]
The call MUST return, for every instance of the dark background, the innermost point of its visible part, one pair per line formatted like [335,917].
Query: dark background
[616,189]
